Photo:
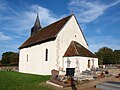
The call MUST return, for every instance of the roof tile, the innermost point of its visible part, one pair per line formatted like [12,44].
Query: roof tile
[76,49]
[46,34]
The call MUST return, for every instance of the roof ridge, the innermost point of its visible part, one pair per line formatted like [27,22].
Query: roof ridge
[47,33]
[66,22]
[56,21]
[53,23]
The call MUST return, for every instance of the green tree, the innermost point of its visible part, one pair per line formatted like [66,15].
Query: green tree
[116,55]
[105,55]
[10,58]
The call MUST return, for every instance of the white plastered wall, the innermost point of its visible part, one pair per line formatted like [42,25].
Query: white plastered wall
[82,62]
[36,59]
[70,31]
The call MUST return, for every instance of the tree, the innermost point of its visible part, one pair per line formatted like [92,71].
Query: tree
[10,58]
[116,55]
[105,55]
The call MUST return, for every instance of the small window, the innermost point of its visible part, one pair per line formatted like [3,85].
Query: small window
[46,55]
[88,63]
[75,36]
[27,58]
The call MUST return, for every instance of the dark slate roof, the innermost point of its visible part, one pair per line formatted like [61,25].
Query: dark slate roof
[46,34]
[76,49]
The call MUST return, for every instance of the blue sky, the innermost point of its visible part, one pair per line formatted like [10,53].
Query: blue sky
[99,20]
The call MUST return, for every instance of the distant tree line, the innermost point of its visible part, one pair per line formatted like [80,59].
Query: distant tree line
[10,59]
[108,56]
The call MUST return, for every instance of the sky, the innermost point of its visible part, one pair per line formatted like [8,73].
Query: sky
[98,19]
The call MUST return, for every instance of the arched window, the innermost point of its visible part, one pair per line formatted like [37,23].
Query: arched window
[46,55]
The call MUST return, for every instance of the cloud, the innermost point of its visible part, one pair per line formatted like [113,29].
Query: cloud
[46,16]
[16,24]
[102,41]
[2,5]
[4,37]
[21,22]
[98,30]
[88,11]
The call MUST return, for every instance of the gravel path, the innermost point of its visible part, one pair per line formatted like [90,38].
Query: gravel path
[90,85]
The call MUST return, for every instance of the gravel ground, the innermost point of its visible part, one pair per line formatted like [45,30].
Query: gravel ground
[90,85]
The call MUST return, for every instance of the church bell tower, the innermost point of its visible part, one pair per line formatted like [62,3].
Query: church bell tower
[36,26]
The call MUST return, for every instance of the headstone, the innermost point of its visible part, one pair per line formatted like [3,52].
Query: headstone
[55,73]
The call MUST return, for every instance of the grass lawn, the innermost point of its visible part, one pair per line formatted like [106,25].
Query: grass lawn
[10,80]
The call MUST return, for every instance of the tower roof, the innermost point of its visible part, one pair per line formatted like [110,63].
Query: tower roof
[37,22]
[36,26]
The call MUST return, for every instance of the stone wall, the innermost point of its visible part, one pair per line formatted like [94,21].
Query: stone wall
[8,68]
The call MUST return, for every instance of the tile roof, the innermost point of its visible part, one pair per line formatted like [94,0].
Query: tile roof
[46,34]
[76,49]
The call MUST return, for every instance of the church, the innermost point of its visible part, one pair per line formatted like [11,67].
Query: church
[58,46]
